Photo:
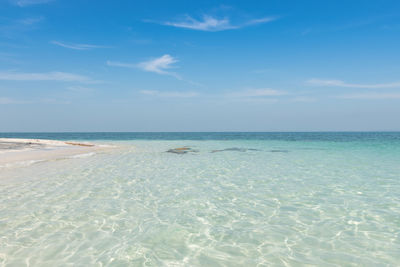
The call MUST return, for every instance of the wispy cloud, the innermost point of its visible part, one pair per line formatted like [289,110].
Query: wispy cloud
[263,95]
[371,96]
[259,21]
[6,100]
[121,64]
[257,100]
[11,28]
[77,46]
[339,83]
[10,58]
[208,23]
[24,3]
[303,99]
[261,71]
[213,24]
[172,94]
[80,89]
[13,101]
[159,65]
[31,21]
[265,92]
[349,25]
[9,101]
[47,76]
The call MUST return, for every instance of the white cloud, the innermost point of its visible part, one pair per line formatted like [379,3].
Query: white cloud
[172,94]
[47,76]
[339,83]
[371,96]
[24,3]
[158,65]
[266,92]
[77,46]
[213,24]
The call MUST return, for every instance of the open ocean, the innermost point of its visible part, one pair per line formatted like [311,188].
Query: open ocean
[235,199]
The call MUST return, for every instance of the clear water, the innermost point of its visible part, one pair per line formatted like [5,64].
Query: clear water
[326,199]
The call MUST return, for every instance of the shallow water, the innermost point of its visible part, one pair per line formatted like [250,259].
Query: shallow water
[327,199]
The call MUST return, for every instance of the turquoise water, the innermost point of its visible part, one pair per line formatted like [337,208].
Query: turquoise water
[262,199]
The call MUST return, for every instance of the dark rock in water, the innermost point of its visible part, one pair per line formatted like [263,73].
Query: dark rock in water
[279,151]
[235,149]
[178,152]
[181,150]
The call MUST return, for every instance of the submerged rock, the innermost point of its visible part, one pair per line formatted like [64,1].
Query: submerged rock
[181,150]
[235,149]
[279,151]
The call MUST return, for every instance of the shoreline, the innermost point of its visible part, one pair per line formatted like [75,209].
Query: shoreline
[16,152]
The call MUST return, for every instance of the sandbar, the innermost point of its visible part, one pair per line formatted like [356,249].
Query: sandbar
[21,152]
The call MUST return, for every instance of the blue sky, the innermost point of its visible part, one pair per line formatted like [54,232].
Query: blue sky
[80,65]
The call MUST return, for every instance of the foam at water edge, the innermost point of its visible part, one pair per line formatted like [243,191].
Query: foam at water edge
[84,155]
[20,163]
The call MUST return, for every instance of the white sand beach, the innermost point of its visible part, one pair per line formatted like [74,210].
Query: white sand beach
[22,152]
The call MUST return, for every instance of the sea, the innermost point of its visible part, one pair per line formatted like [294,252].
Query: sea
[220,199]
